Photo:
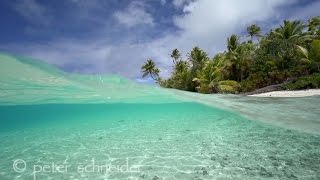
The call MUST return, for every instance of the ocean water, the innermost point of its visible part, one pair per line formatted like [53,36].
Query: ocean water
[60,126]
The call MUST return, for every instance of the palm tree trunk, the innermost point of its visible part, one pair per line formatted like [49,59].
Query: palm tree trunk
[152,76]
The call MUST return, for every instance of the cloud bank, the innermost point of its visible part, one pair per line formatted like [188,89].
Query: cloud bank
[135,14]
[131,34]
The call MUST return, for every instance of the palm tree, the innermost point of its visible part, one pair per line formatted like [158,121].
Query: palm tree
[254,30]
[314,26]
[209,75]
[245,56]
[180,66]
[237,57]
[287,40]
[312,56]
[197,57]
[213,72]
[291,32]
[149,68]
[233,42]
[314,23]
[205,77]
[232,55]
[175,55]
[179,75]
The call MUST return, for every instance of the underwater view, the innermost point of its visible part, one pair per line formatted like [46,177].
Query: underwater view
[56,125]
[159,90]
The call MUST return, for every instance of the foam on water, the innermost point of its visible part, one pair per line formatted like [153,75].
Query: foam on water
[52,118]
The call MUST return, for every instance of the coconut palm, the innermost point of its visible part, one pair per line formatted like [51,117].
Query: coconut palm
[288,51]
[291,32]
[232,57]
[254,30]
[213,72]
[312,56]
[149,68]
[175,55]
[237,57]
[314,23]
[233,42]
[180,66]
[314,27]
[197,57]
[245,57]
[287,39]
[205,77]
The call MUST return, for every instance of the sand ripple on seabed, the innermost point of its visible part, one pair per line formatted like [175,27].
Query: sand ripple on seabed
[161,149]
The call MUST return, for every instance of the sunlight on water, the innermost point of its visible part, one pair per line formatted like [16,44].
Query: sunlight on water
[61,126]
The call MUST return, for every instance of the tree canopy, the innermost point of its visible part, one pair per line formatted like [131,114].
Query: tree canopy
[149,68]
[290,51]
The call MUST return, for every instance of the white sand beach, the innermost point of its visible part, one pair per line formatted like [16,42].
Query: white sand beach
[301,93]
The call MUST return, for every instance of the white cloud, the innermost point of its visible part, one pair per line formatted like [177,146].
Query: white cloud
[208,23]
[180,3]
[95,55]
[135,14]
[32,11]
[163,2]
[307,12]
[203,23]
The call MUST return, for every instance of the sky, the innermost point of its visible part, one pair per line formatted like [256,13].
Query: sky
[118,36]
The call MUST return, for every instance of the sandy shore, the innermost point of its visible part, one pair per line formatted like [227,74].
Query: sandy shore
[302,93]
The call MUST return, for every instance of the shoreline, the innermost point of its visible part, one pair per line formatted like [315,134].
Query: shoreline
[296,93]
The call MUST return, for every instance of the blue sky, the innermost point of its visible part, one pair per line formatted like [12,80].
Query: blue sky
[117,36]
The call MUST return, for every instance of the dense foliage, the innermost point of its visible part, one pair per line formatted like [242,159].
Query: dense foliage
[305,82]
[284,54]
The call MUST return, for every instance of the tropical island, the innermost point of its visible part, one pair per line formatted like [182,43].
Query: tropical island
[73,104]
[285,58]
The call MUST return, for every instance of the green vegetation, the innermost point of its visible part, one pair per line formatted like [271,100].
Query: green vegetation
[290,52]
[305,82]
[150,69]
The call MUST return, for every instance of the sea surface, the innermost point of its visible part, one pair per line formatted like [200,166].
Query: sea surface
[56,125]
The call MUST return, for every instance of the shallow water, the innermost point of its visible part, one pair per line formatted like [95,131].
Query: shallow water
[172,141]
[61,126]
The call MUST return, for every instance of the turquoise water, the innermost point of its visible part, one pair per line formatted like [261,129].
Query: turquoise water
[61,126]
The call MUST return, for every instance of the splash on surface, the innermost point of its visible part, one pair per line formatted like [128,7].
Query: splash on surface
[52,118]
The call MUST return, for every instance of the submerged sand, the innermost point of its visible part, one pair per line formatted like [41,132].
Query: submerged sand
[300,93]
